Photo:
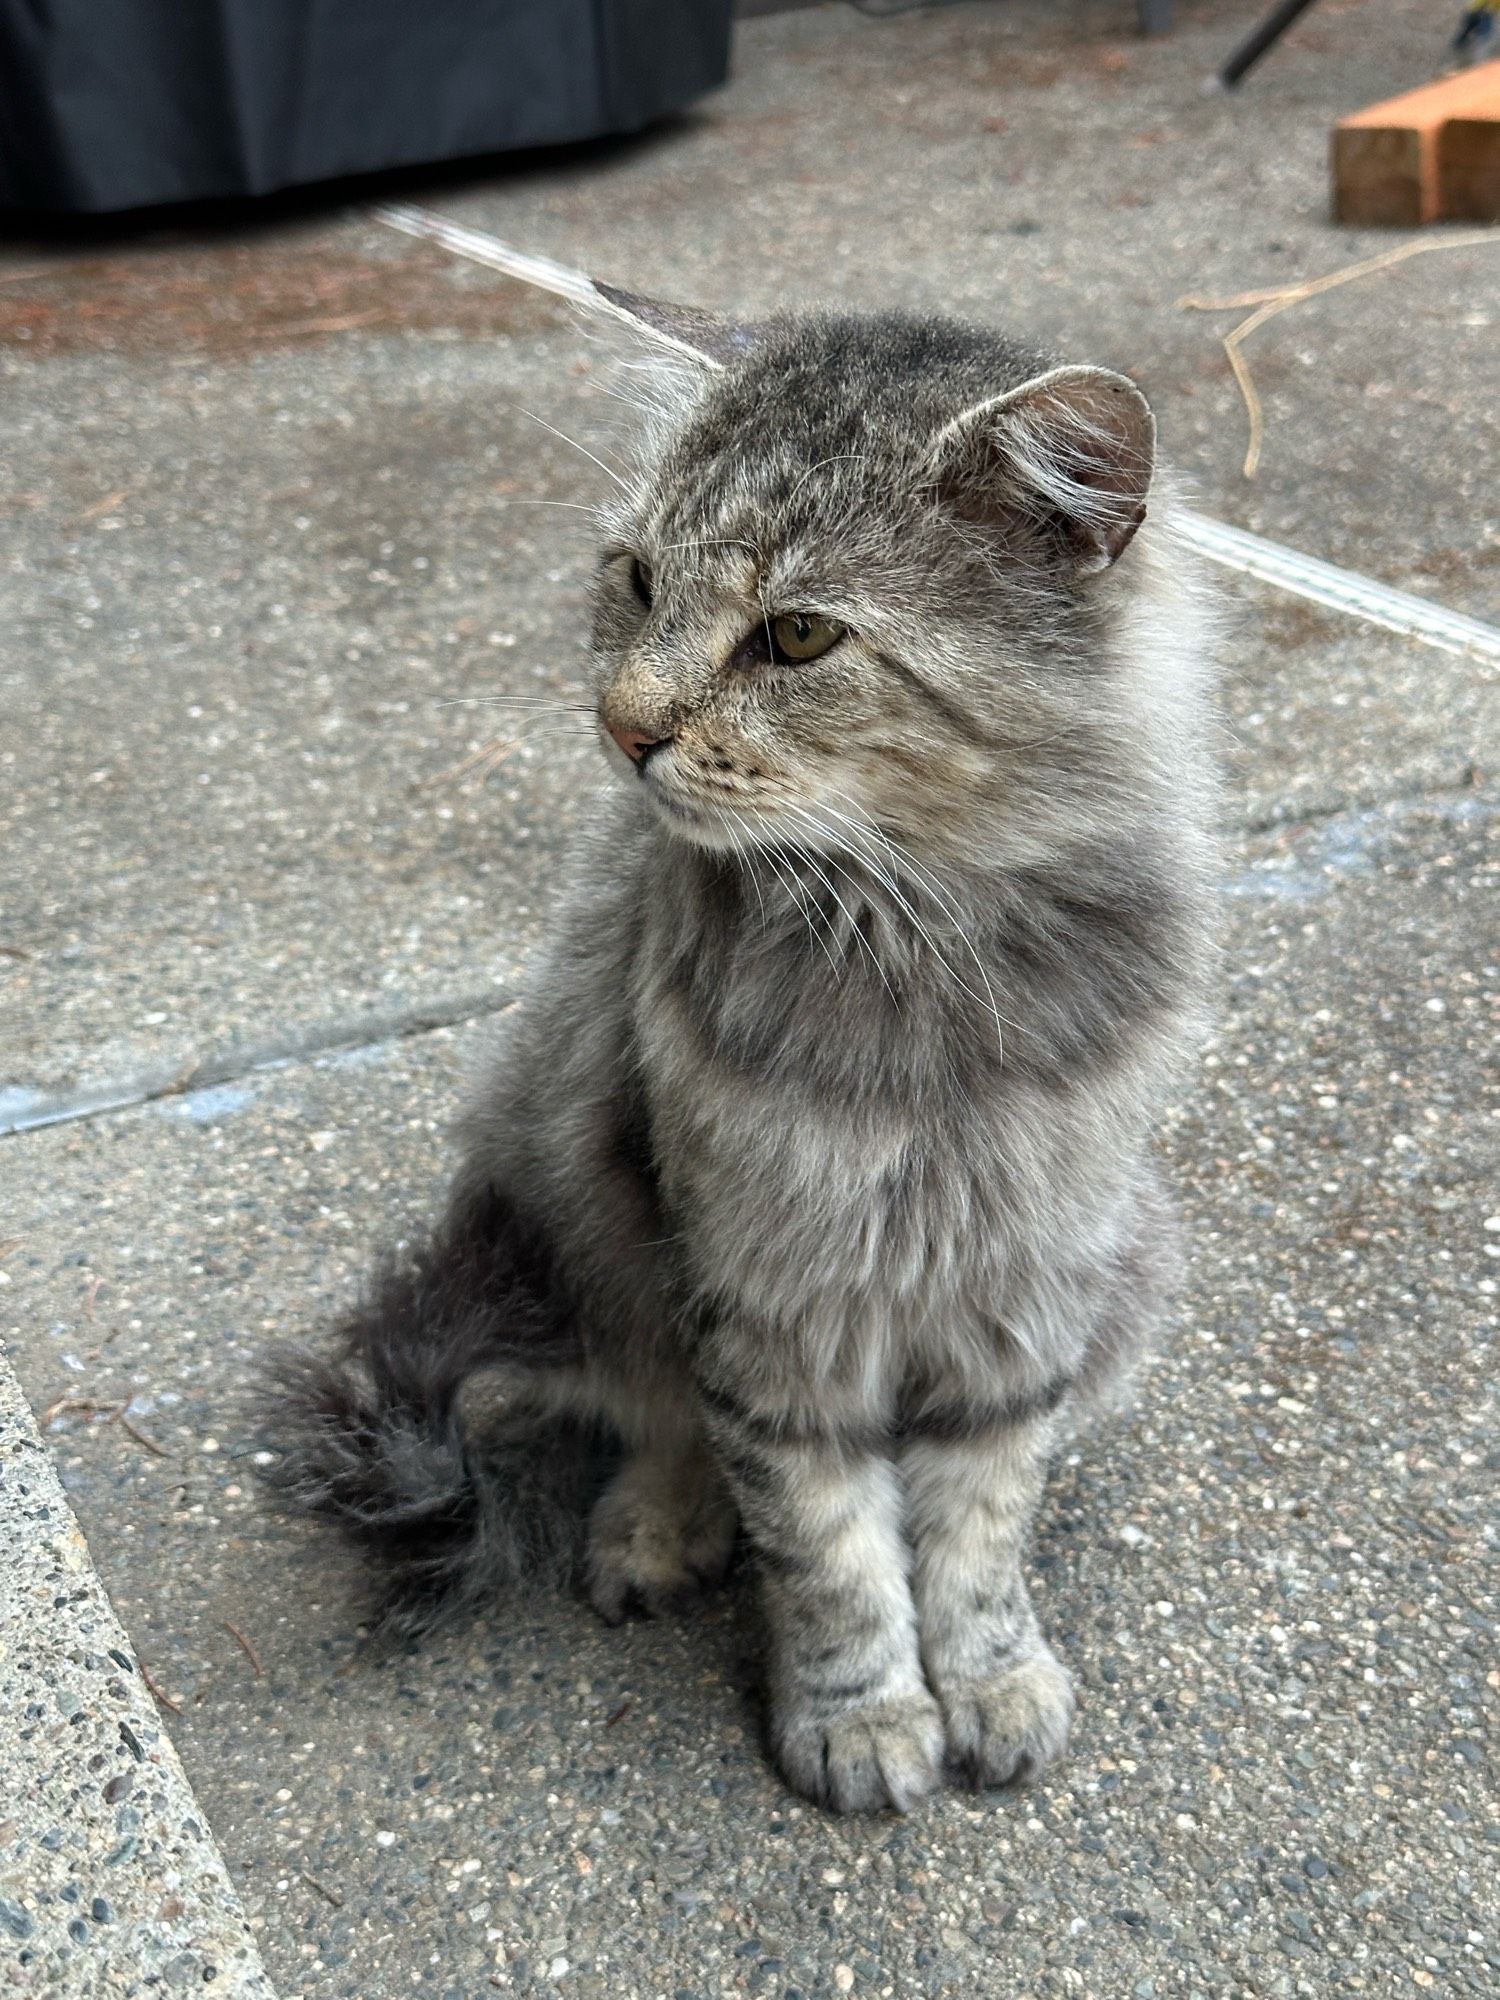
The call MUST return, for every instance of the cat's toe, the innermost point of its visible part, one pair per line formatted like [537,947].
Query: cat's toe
[627,1578]
[645,1559]
[1004,1730]
[888,1755]
[708,1542]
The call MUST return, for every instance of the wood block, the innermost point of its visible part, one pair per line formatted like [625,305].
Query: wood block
[1469,169]
[1430,156]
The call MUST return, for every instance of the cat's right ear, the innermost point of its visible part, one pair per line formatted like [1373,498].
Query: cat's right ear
[703,336]
[1070,452]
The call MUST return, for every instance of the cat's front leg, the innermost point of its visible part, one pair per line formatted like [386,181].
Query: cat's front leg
[852,1723]
[973,1474]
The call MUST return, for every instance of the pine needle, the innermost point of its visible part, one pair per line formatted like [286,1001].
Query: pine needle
[1276,299]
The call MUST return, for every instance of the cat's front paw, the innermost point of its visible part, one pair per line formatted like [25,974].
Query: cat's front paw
[1004,1730]
[654,1547]
[889,1754]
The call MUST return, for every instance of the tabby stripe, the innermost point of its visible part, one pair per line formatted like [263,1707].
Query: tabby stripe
[787,1428]
[957,1423]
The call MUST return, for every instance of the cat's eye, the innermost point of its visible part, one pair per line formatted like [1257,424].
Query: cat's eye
[801,635]
[641,580]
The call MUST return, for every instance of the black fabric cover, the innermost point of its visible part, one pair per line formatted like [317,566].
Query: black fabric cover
[115,104]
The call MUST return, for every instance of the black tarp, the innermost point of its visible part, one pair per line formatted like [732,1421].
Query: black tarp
[116,104]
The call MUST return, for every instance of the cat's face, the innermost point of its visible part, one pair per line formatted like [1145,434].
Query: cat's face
[774,689]
[839,602]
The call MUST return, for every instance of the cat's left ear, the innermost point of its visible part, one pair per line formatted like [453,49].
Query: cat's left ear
[702,335]
[1074,448]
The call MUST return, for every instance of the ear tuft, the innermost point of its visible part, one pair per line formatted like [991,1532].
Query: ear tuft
[1073,449]
[702,335]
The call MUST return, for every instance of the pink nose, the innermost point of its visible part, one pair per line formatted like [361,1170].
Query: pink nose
[634,743]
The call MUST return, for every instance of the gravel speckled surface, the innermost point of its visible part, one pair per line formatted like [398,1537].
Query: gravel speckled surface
[1274,1587]
[243,792]
[1040,164]
[286,543]
[271,503]
[110,1883]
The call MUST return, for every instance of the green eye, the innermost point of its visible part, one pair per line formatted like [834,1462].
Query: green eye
[802,635]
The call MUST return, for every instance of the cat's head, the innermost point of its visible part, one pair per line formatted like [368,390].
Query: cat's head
[867,578]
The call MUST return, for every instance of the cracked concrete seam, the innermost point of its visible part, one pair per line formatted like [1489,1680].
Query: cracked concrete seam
[23,1110]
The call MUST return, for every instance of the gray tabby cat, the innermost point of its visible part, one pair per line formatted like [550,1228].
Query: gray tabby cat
[816,1169]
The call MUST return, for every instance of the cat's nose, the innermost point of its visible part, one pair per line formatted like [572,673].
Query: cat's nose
[636,745]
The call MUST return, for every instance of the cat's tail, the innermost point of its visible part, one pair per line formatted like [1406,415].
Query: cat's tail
[374,1436]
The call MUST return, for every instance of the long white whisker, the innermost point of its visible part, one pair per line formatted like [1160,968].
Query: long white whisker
[713,542]
[811,909]
[854,925]
[838,458]
[744,853]
[801,853]
[521,739]
[792,897]
[863,852]
[526,500]
[608,472]
[945,903]
[788,879]
[753,857]
[899,855]
[871,860]
[516,701]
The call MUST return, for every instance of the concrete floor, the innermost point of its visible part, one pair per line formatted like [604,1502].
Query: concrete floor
[272,510]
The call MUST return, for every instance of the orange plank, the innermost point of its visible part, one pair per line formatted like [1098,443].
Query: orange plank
[1394,163]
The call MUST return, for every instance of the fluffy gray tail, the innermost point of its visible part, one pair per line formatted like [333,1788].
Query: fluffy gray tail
[372,1436]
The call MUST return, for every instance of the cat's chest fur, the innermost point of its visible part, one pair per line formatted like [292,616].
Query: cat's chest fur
[816,1109]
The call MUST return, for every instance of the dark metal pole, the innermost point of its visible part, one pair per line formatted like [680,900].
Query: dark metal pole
[1271,30]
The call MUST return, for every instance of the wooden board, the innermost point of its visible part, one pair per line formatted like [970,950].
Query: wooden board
[1430,156]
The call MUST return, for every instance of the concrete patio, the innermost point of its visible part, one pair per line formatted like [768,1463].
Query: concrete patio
[278,526]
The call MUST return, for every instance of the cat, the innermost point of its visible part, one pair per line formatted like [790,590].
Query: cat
[816,1168]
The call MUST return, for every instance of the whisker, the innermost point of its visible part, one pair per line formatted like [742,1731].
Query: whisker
[801,856]
[794,892]
[864,828]
[837,458]
[893,887]
[713,542]
[854,925]
[800,851]
[516,701]
[854,834]
[765,617]
[608,472]
[526,499]
[491,755]
[574,735]
[742,853]
[787,877]
[749,857]
[479,763]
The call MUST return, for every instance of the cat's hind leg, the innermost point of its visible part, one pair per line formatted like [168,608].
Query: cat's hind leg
[663,1529]
[377,1434]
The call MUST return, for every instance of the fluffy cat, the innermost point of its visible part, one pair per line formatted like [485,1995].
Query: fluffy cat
[816,1168]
